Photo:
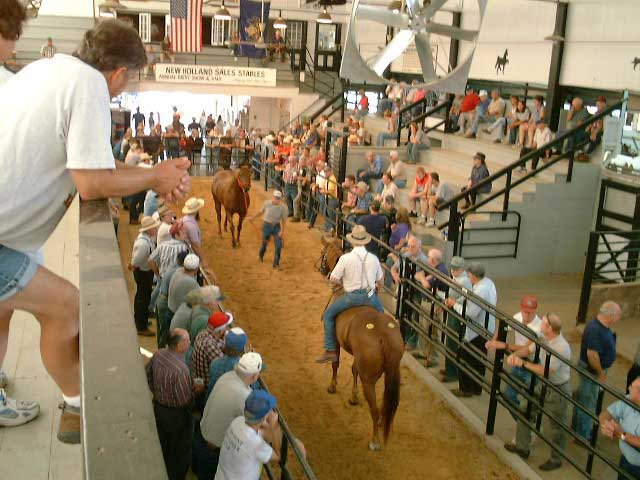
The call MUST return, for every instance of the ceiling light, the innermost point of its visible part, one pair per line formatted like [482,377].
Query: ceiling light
[324,17]
[395,6]
[222,13]
[280,22]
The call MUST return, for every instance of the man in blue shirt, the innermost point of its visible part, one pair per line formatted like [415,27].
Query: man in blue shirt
[234,345]
[597,354]
[375,224]
[374,168]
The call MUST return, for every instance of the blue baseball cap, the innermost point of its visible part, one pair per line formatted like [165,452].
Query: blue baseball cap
[236,339]
[258,405]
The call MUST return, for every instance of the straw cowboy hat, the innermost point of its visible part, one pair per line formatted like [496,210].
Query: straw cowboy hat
[163,209]
[358,236]
[193,205]
[148,223]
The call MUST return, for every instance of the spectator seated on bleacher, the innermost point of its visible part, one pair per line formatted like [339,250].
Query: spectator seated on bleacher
[440,192]
[454,114]
[418,140]
[577,115]
[386,103]
[364,137]
[521,123]
[478,173]
[392,128]
[487,113]
[479,114]
[538,113]
[349,186]
[468,107]
[277,46]
[363,201]
[541,137]
[595,130]
[373,170]
[421,187]
[389,188]
[398,171]
[362,109]
[497,128]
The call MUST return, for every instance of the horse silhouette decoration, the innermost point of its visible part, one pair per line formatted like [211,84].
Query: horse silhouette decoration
[636,62]
[502,61]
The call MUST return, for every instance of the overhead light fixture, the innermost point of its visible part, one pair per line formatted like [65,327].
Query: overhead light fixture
[280,22]
[222,13]
[395,6]
[554,38]
[324,17]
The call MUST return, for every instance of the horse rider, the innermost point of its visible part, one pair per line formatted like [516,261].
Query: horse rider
[360,274]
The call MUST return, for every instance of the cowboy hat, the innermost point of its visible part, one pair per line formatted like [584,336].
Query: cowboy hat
[193,205]
[358,236]
[163,209]
[148,223]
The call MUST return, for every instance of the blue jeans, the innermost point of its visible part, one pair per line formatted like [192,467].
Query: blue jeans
[524,376]
[633,471]
[414,151]
[204,460]
[367,175]
[330,213]
[587,397]
[154,294]
[290,194]
[271,230]
[476,123]
[383,137]
[16,271]
[356,298]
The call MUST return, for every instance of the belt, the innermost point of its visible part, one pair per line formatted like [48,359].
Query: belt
[271,223]
[359,290]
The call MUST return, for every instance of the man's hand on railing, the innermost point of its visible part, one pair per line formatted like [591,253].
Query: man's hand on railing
[172,179]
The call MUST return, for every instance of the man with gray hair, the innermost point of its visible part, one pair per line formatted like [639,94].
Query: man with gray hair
[373,170]
[478,319]
[597,354]
[397,171]
[555,402]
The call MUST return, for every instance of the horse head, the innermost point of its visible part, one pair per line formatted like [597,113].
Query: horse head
[244,178]
[330,255]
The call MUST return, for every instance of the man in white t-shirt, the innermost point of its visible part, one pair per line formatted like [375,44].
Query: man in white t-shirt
[226,402]
[528,317]
[46,155]
[246,442]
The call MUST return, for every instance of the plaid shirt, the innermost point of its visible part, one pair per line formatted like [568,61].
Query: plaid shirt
[169,380]
[207,347]
[289,174]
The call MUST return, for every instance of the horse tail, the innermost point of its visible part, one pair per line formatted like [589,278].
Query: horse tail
[391,398]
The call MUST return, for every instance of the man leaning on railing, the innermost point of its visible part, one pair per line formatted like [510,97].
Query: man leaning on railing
[60,155]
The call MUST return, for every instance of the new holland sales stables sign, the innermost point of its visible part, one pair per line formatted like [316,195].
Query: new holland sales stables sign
[215,75]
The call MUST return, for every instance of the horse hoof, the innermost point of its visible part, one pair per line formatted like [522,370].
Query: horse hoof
[331,389]
[374,447]
[353,401]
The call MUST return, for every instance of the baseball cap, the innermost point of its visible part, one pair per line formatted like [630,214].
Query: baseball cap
[483,93]
[236,339]
[277,193]
[191,262]
[258,405]
[250,363]
[529,304]
[220,320]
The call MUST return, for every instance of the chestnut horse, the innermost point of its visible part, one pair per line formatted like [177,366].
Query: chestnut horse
[375,342]
[230,190]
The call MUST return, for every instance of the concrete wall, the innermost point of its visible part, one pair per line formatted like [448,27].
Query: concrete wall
[627,295]
[269,113]
[556,220]
[68,8]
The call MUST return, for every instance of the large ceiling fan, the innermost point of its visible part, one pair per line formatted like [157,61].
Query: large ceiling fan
[413,24]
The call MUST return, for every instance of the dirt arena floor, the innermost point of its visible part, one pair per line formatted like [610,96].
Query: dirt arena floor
[281,311]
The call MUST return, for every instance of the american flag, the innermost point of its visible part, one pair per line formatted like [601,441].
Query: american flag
[186,25]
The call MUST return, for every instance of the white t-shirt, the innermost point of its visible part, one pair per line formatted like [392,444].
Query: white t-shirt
[534,326]
[352,265]
[541,138]
[390,189]
[225,403]
[5,75]
[164,234]
[60,119]
[243,452]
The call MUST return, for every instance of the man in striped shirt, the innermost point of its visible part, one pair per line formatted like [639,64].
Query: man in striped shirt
[173,394]
[48,50]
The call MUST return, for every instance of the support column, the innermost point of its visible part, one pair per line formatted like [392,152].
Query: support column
[554,98]
[455,43]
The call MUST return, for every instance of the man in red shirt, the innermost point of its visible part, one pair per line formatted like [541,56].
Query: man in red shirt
[362,110]
[468,109]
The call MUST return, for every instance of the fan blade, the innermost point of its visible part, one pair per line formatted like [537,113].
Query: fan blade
[393,50]
[426,57]
[382,15]
[429,10]
[452,32]
[413,6]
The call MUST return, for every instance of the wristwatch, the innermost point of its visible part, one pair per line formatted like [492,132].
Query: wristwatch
[622,437]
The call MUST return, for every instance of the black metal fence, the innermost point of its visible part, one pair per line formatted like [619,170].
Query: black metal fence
[442,329]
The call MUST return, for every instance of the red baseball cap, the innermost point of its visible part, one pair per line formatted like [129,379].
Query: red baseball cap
[220,320]
[529,304]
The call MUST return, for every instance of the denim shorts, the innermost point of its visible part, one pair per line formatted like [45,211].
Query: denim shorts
[16,271]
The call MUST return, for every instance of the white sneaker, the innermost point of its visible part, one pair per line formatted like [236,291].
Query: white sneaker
[3,379]
[431,222]
[421,221]
[16,412]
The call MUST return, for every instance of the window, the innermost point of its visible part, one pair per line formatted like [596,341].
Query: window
[158,28]
[222,31]
[144,21]
[294,34]
[327,37]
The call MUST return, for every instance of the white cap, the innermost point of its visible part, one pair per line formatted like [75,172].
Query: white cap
[238,331]
[483,93]
[250,363]
[191,262]
[277,193]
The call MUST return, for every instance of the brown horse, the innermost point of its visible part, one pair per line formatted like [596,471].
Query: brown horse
[231,190]
[375,342]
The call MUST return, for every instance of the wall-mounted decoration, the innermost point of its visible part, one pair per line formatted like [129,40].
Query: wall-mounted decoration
[502,61]
[636,62]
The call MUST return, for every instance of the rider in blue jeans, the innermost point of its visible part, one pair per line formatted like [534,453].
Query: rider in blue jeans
[275,217]
[360,274]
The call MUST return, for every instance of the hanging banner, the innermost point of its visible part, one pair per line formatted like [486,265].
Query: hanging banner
[215,75]
[254,17]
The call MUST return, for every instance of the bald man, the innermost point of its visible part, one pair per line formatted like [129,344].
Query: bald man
[597,354]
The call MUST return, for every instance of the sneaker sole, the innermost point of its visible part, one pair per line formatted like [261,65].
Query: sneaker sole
[20,419]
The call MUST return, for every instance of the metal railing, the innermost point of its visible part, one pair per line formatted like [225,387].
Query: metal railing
[288,439]
[566,144]
[406,117]
[612,257]
[119,437]
[502,229]
[442,329]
